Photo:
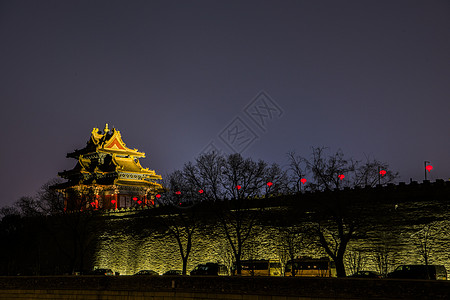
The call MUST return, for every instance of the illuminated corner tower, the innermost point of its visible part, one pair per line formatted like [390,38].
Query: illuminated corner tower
[107,175]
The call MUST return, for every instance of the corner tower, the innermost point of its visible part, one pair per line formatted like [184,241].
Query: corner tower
[108,175]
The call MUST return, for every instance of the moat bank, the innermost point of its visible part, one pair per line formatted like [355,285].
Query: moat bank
[190,287]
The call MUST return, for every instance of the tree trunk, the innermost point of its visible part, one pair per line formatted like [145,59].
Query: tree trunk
[185,259]
[238,266]
[340,268]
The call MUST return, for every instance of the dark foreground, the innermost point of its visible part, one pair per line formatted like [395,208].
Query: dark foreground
[191,287]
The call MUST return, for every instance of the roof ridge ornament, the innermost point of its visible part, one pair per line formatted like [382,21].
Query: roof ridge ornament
[106,130]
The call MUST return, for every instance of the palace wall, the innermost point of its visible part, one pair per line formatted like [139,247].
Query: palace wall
[395,218]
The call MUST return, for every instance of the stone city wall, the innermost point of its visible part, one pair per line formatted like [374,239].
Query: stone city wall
[395,216]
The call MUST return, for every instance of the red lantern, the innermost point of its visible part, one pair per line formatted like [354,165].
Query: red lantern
[158,196]
[269,184]
[113,201]
[200,191]
[139,202]
[92,203]
[383,172]
[303,180]
[135,198]
[429,168]
[341,177]
[238,187]
[178,192]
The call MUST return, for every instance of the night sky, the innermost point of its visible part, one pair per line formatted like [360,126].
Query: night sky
[369,77]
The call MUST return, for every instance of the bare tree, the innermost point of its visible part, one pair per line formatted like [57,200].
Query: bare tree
[424,239]
[50,201]
[384,259]
[250,250]
[334,240]
[327,170]
[28,207]
[335,230]
[238,222]
[277,182]
[181,226]
[226,256]
[282,250]
[181,221]
[242,180]
[218,178]
[385,252]
[291,240]
[297,170]
[47,202]
[356,260]
[373,172]
[338,224]
[206,175]
[233,181]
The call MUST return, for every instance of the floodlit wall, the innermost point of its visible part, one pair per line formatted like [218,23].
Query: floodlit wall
[397,228]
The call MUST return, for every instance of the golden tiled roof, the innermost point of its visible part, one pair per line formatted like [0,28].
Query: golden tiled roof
[107,159]
[111,142]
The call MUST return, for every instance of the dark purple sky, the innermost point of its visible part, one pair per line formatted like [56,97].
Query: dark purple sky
[369,77]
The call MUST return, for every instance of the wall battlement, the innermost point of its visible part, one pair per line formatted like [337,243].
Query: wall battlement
[439,189]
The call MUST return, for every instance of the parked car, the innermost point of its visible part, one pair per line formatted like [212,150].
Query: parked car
[106,272]
[147,272]
[366,274]
[212,269]
[173,273]
[433,272]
